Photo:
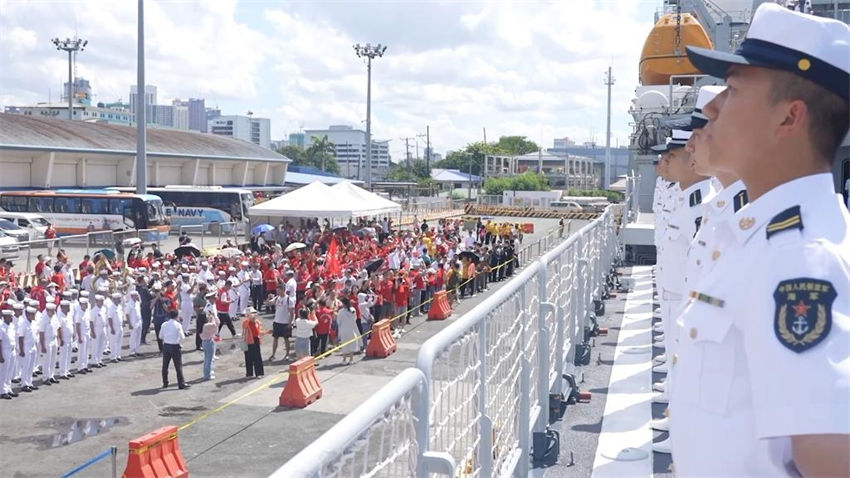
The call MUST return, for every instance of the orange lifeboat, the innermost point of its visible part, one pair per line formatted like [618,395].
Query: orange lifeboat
[664,52]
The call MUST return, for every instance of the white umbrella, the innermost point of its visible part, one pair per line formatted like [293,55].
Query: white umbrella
[295,246]
[230,252]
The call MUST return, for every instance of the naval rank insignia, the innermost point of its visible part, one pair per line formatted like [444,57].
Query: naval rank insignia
[803,312]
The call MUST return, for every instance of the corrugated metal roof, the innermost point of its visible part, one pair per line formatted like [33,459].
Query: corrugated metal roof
[452,176]
[298,178]
[32,132]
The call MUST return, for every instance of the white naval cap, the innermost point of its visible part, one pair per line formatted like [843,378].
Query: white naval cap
[65,303]
[67,293]
[31,310]
[7,312]
[84,293]
[18,306]
[778,38]
[116,295]
[50,306]
[705,96]
[84,300]
[98,297]
[678,140]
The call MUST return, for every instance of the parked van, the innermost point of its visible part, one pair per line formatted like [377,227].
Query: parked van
[569,206]
[34,224]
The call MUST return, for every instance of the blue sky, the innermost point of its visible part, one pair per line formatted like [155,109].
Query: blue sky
[533,68]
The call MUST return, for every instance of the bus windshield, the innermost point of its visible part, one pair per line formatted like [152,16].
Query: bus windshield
[154,212]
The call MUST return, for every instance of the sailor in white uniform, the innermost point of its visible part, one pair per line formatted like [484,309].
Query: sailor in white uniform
[28,348]
[115,326]
[8,350]
[186,287]
[66,332]
[83,327]
[48,337]
[762,378]
[133,312]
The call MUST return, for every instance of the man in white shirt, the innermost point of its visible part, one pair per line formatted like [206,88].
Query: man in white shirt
[133,313]
[115,321]
[172,335]
[284,304]
[82,323]
[48,329]
[8,346]
[66,333]
[28,348]
[187,311]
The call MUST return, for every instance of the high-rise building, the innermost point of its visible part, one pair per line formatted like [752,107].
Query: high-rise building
[297,139]
[180,117]
[162,115]
[197,113]
[350,151]
[150,96]
[82,91]
[246,128]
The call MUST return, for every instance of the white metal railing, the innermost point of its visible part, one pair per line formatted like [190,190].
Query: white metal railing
[214,233]
[481,386]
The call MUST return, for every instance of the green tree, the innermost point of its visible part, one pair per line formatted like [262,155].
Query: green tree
[516,145]
[527,181]
[469,158]
[293,152]
[321,154]
[418,171]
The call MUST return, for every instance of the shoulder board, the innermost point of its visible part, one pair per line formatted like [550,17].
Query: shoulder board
[741,199]
[698,222]
[670,185]
[785,220]
[695,198]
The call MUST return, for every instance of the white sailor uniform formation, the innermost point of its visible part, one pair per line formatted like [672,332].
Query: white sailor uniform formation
[758,346]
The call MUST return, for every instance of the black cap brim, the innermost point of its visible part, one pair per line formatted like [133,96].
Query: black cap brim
[666,148]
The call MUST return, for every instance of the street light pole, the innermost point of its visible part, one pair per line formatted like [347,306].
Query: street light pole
[71,46]
[369,52]
[606,182]
[141,109]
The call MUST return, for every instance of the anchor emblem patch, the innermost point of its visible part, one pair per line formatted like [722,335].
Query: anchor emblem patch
[803,312]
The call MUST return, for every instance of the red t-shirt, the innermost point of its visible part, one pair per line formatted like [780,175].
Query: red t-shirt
[222,301]
[402,294]
[325,318]
[387,292]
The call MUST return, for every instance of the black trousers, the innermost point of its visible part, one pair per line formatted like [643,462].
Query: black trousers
[172,352]
[257,296]
[200,320]
[224,319]
[321,344]
[253,360]
[156,327]
[146,323]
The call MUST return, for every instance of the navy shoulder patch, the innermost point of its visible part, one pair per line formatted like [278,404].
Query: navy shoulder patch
[740,200]
[695,198]
[803,312]
[785,220]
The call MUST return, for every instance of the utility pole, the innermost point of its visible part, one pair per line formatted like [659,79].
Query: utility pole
[407,151]
[606,182]
[428,150]
[71,46]
[370,52]
[141,109]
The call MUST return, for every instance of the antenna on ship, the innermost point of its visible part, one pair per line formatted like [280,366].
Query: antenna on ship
[609,81]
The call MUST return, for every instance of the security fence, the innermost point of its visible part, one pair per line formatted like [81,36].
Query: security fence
[214,234]
[481,387]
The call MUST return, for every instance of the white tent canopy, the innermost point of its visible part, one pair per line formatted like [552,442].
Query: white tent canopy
[319,200]
[370,200]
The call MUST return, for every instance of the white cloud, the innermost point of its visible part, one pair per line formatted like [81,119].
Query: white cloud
[532,68]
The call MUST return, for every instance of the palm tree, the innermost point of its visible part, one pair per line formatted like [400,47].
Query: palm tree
[320,146]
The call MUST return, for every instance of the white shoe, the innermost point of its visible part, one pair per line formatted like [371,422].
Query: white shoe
[658,328]
[661,359]
[656,313]
[660,368]
[660,397]
[659,338]
[659,345]
[662,424]
[662,447]
[659,386]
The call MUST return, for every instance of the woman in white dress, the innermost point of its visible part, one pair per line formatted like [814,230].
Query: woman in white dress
[346,319]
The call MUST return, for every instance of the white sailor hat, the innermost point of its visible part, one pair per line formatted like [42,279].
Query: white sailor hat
[84,293]
[50,306]
[678,140]
[31,310]
[84,301]
[221,273]
[778,38]
[98,297]
[134,293]
[705,96]
[67,293]
[65,303]
[103,272]
[18,306]
[116,295]
[7,312]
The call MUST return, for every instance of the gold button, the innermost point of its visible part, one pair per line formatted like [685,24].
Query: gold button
[721,203]
[715,255]
[804,64]
[675,358]
[746,223]
[693,332]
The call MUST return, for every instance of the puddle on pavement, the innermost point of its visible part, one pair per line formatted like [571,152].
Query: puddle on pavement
[180,411]
[73,431]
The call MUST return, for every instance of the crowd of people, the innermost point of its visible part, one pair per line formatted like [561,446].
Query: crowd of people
[323,286]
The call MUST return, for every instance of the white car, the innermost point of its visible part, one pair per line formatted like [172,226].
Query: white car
[569,206]
[12,230]
[8,246]
[34,224]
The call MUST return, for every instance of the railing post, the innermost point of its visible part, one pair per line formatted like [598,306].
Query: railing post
[525,417]
[114,451]
[485,449]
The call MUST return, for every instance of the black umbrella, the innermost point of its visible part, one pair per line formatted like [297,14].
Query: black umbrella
[109,253]
[374,265]
[188,250]
[470,256]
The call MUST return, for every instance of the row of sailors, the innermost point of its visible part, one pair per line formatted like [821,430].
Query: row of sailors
[30,338]
[754,309]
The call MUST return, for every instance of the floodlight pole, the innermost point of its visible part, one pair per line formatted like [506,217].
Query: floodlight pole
[141,109]
[606,182]
[369,51]
[71,46]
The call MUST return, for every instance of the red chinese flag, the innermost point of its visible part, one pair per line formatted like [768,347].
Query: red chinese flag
[333,264]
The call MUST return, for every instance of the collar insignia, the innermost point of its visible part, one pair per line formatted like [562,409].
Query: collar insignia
[785,220]
[803,312]
[741,199]
[746,223]
[707,299]
[695,198]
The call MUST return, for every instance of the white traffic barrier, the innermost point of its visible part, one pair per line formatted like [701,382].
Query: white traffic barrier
[481,386]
